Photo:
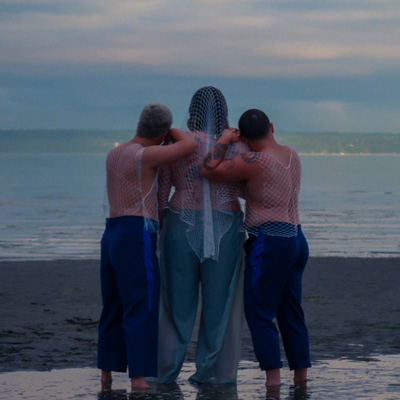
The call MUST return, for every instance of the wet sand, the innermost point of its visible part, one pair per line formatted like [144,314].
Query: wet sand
[50,309]
[331,379]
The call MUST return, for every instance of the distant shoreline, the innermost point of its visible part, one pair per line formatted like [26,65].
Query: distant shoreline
[132,131]
[99,141]
[105,153]
[349,154]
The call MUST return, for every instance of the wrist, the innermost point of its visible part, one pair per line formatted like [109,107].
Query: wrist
[229,135]
[177,134]
[225,139]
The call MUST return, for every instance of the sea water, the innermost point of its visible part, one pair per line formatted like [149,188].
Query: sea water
[51,205]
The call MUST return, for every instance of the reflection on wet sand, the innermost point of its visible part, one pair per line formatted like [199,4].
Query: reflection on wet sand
[376,378]
[296,392]
[204,392]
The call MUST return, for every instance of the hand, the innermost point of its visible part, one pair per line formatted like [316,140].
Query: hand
[168,139]
[232,135]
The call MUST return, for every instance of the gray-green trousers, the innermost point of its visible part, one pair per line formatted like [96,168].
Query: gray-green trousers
[221,283]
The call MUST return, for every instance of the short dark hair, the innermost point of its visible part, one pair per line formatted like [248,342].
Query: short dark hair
[155,119]
[254,124]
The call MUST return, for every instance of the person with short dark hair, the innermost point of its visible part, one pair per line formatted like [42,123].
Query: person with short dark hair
[130,280]
[254,124]
[276,251]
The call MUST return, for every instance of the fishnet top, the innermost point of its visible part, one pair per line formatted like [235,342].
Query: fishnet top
[274,210]
[206,207]
[127,193]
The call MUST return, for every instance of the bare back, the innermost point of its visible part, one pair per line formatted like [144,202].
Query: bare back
[272,193]
[189,185]
[208,208]
[131,188]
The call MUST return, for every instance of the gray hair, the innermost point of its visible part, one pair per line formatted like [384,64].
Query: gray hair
[154,120]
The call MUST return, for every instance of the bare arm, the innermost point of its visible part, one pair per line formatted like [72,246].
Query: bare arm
[217,154]
[239,168]
[155,156]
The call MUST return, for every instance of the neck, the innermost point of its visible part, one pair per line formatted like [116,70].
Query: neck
[145,142]
[263,144]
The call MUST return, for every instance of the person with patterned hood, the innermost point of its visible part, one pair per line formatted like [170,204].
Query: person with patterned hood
[130,278]
[201,249]
[277,250]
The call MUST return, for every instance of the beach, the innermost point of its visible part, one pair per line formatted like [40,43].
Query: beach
[50,311]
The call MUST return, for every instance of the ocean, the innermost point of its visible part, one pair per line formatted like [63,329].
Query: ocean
[51,205]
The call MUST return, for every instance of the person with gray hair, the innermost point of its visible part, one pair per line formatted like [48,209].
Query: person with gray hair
[154,119]
[130,278]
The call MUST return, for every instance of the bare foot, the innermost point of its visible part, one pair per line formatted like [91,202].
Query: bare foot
[139,382]
[300,376]
[273,377]
[273,392]
[106,380]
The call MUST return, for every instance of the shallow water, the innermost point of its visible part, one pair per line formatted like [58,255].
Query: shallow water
[375,378]
[51,205]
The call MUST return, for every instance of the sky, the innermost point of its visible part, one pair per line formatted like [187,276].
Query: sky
[312,66]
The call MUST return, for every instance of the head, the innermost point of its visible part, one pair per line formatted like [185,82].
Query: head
[254,125]
[154,121]
[208,111]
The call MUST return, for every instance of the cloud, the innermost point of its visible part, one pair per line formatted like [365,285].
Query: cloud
[221,38]
[339,116]
[340,59]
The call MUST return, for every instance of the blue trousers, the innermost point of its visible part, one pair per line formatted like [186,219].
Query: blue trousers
[130,286]
[273,289]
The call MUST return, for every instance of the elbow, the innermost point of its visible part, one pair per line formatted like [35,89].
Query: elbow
[191,147]
[213,175]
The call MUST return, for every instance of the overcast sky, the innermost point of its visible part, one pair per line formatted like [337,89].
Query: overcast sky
[311,65]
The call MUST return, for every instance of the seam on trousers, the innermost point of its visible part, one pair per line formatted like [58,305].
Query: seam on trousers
[148,262]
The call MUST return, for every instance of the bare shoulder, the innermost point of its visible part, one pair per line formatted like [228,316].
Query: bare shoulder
[240,168]
[282,154]
[235,149]
[116,151]
[250,157]
[294,153]
[158,155]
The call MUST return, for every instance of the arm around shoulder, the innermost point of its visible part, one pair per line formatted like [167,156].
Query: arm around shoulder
[217,167]
[236,169]
[184,145]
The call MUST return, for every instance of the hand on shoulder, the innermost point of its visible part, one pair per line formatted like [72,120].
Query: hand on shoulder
[230,135]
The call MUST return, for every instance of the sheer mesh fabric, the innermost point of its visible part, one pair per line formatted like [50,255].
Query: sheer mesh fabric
[126,193]
[206,207]
[208,112]
[275,213]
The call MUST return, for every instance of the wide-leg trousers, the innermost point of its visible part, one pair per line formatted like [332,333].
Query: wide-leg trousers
[130,286]
[273,289]
[221,284]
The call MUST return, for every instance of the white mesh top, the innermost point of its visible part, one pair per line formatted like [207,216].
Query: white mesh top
[128,193]
[207,207]
[274,209]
